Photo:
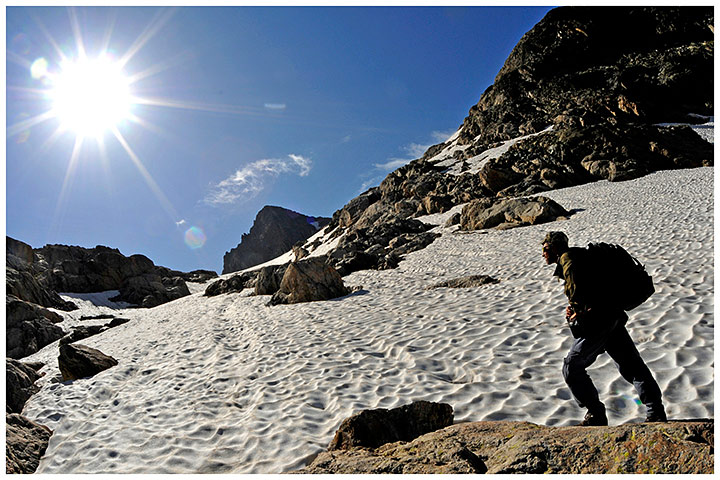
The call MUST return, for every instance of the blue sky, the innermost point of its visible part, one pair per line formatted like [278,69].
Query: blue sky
[234,108]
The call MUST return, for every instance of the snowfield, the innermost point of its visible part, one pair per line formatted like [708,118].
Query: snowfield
[228,385]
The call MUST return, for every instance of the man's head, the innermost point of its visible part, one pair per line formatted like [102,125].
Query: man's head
[554,245]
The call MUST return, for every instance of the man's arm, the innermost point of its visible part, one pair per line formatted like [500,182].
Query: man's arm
[575,286]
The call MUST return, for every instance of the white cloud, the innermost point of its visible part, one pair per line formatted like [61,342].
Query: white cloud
[413,151]
[392,164]
[251,179]
[442,137]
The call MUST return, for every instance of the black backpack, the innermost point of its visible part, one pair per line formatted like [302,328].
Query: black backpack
[621,279]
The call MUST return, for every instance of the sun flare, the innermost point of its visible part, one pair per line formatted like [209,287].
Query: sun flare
[90,96]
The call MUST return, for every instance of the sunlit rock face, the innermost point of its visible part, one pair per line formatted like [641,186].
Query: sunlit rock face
[273,233]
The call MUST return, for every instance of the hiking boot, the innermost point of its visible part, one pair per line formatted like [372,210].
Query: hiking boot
[597,419]
[656,417]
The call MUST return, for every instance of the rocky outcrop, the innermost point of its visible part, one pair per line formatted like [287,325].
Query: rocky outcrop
[309,280]
[26,442]
[236,283]
[22,268]
[380,245]
[600,65]
[83,270]
[509,213]
[274,232]
[681,447]
[19,384]
[580,154]
[80,361]
[372,428]
[29,327]
[471,281]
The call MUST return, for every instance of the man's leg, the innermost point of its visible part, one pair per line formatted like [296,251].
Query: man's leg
[622,350]
[582,354]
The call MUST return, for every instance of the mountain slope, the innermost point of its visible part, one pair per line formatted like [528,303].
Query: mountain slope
[226,384]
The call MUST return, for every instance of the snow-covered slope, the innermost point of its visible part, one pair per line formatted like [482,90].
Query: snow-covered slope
[227,384]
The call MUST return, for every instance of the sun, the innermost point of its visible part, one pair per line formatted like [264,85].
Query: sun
[90,96]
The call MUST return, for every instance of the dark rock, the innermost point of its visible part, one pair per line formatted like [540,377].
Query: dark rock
[29,327]
[471,281]
[79,361]
[273,233]
[19,254]
[299,252]
[236,283]
[269,279]
[512,212]
[309,280]
[82,332]
[679,447]
[102,316]
[380,246]
[23,285]
[373,428]
[26,442]
[150,290]
[351,212]
[19,384]
[116,322]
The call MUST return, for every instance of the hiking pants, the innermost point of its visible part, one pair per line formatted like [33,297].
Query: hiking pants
[615,340]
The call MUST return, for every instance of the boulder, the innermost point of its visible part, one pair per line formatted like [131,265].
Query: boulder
[25,442]
[19,384]
[236,283]
[269,279]
[309,280]
[679,447]
[79,361]
[29,327]
[471,281]
[373,428]
[511,212]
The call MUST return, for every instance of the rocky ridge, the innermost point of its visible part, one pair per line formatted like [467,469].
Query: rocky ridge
[582,97]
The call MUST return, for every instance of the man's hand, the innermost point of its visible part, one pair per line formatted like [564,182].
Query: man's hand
[570,314]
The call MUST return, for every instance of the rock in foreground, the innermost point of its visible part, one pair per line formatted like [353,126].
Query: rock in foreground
[26,442]
[373,428]
[519,447]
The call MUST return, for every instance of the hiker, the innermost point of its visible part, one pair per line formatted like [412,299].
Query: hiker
[597,326]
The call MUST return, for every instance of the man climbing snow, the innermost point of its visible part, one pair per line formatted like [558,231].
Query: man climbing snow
[598,326]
